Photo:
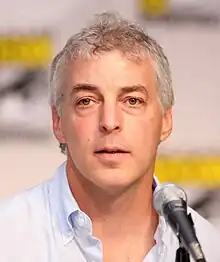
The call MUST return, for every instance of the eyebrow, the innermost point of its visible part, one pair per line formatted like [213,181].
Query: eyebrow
[134,88]
[92,88]
[84,87]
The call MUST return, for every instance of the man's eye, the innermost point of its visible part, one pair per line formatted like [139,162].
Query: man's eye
[133,101]
[84,102]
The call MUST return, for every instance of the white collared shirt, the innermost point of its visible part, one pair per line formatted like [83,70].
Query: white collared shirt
[45,224]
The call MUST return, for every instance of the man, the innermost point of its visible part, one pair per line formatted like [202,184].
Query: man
[111,100]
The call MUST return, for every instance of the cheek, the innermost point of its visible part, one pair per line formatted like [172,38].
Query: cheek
[79,130]
[144,132]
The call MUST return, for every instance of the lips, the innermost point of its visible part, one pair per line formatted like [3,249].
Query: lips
[111,151]
[112,155]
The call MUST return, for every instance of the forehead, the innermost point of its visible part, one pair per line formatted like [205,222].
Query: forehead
[112,69]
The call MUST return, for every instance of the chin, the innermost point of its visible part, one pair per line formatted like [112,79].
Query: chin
[113,180]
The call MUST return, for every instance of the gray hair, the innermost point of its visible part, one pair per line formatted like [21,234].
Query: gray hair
[108,31]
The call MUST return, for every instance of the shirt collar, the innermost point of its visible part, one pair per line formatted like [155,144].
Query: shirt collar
[63,202]
[65,206]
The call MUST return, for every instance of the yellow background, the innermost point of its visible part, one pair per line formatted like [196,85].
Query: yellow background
[27,50]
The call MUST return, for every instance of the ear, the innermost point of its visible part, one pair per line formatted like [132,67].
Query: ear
[57,129]
[167,124]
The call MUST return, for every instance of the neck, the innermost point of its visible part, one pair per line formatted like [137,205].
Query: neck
[121,213]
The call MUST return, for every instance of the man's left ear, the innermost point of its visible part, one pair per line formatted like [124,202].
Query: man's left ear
[167,124]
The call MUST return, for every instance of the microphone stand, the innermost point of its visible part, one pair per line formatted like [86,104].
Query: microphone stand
[182,254]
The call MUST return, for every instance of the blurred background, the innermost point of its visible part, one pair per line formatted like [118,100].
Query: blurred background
[32,32]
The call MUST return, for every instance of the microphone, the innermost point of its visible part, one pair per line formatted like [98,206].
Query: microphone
[170,201]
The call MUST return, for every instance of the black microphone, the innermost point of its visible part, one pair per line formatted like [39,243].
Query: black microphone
[170,201]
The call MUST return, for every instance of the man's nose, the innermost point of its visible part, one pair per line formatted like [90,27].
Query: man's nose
[110,119]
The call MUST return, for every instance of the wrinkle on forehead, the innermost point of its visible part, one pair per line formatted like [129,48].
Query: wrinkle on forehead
[112,67]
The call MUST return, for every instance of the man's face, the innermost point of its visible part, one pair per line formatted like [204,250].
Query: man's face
[111,119]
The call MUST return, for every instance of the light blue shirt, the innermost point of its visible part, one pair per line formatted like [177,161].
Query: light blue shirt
[45,224]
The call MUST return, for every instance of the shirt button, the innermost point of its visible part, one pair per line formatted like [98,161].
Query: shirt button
[80,221]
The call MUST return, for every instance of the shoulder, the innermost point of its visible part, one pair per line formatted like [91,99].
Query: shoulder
[207,235]
[203,226]
[25,224]
[23,207]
